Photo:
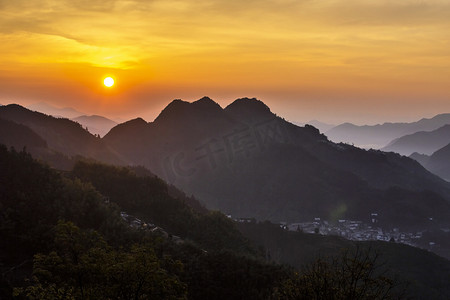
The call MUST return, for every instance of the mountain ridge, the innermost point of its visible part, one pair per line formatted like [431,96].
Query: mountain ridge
[245,157]
[61,134]
[246,161]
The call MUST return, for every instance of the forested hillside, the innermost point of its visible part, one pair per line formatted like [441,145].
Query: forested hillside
[67,235]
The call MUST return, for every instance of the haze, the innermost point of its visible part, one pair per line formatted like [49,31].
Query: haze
[361,61]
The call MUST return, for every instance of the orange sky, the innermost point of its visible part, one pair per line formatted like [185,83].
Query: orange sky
[363,61]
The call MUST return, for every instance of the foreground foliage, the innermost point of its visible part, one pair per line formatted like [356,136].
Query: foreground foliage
[84,266]
[352,275]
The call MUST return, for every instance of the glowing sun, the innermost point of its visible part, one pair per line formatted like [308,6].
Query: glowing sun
[109,82]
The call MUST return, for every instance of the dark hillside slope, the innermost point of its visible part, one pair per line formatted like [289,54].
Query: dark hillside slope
[425,273]
[86,253]
[82,247]
[149,198]
[19,136]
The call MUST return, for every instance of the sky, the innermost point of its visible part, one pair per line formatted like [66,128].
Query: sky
[363,61]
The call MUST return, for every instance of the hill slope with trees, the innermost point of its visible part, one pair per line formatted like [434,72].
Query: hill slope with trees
[83,248]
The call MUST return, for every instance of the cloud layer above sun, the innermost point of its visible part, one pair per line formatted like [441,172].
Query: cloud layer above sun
[301,51]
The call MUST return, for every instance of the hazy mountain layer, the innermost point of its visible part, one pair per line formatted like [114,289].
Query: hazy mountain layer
[423,142]
[96,124]
[66,112]
[378,136]
[421,158]
[439,162]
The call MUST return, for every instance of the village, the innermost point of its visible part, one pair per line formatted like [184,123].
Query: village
[350,229]
[357,230]
[353,230]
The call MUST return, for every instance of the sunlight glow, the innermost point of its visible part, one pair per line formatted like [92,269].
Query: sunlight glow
[109,82]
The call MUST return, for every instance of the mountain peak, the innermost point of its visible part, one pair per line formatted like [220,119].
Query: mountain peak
[127,128]
[182,110]
[136,121]
[173,108]
[249,108]
[15,107]
[206,103]
[249,103]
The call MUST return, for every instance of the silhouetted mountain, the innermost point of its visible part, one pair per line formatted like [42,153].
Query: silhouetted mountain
[421,158]
[424,142]
[182,112]
[378,136]
[96,124]
[65,112]
[245,161]
[249,110]
[439,162]
[61,135]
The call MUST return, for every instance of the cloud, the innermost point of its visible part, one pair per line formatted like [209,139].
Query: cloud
[390,13]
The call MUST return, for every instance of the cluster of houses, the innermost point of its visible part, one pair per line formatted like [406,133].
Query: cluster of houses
[136,223]
[355,230]
[352,230]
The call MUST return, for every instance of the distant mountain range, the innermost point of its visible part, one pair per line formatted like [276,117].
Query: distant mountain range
[96,124]
[429,148]
[246,161]
[439,162]
[379,136]
[65,112]
[421,158]
[423,142]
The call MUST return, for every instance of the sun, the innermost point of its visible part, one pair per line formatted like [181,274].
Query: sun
[109,82]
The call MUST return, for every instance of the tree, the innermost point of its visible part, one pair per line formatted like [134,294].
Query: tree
[84,266]
[356,274]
